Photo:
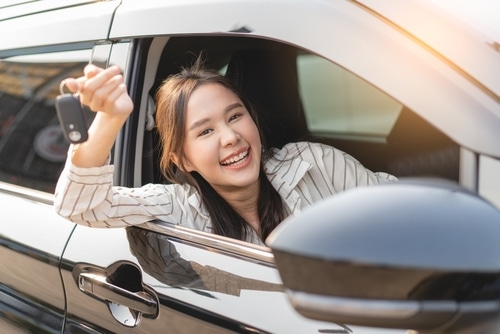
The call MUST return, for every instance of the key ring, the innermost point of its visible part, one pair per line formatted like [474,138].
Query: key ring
[61,88]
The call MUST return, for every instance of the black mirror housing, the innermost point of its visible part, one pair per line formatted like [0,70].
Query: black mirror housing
[416,254]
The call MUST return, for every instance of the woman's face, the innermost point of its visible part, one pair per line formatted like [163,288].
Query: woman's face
[221,141]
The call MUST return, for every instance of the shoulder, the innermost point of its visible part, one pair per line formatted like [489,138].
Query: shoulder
[309,151]
[296,156]
[316,156]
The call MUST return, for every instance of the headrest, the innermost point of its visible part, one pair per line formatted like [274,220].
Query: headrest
[268,79]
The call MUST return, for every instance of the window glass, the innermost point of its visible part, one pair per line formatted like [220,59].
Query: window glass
[32,146]
[338,102]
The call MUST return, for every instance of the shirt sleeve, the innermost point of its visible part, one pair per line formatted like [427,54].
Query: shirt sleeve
[342,170]
[87,196]
[331,171]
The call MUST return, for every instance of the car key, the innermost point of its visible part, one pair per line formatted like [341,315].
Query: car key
[70,115]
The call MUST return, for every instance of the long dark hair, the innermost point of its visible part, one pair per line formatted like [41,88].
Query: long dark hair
[172,98]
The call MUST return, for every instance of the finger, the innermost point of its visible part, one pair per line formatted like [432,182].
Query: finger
[98,100]
[72,84]
[97,78]
[118,100]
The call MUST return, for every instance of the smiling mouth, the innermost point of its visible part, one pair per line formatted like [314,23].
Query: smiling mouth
[235,160]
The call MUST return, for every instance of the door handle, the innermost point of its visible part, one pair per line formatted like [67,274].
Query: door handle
[97,285]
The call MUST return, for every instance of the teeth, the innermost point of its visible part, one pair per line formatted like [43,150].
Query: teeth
[235,159]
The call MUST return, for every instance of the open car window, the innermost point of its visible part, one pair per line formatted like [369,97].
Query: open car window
[302,96]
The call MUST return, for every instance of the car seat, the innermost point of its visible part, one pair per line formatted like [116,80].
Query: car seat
[268,79]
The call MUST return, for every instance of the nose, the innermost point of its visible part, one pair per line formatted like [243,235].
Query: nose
[229,136]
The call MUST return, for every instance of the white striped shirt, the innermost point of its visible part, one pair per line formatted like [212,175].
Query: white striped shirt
[302,173]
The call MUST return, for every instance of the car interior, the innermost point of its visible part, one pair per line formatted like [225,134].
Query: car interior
[267,72]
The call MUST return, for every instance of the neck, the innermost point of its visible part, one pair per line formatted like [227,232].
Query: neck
[245,202]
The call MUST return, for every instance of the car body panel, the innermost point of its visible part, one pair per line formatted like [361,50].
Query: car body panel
[30,283]
[227,290]
[54,22]
[17,8]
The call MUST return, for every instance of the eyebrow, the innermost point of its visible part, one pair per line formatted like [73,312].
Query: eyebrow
[206,120]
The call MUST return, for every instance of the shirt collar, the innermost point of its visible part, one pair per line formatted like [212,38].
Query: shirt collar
[285,171]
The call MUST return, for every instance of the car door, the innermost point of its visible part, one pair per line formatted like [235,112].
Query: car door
[41,43]
[161,277]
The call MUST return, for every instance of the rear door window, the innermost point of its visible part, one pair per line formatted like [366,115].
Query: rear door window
[32,145]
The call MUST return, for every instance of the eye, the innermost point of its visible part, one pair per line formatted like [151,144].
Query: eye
[235,116]
[204,132]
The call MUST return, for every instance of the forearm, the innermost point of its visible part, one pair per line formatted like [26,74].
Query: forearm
[87,196]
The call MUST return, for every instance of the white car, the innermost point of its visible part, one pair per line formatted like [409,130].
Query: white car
[406,87]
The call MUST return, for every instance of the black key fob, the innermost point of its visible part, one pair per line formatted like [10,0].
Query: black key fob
[70,114]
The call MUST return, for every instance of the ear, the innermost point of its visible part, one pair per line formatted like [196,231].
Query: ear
[186,167]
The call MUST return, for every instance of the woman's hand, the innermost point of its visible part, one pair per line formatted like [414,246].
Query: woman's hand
[102,90]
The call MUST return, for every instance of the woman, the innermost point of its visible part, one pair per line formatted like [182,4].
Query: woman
[224,179]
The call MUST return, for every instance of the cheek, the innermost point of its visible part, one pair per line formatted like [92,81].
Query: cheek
[188,149]
[251,132]
[199,153]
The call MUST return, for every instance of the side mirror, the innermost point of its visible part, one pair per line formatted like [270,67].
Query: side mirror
[413,255]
